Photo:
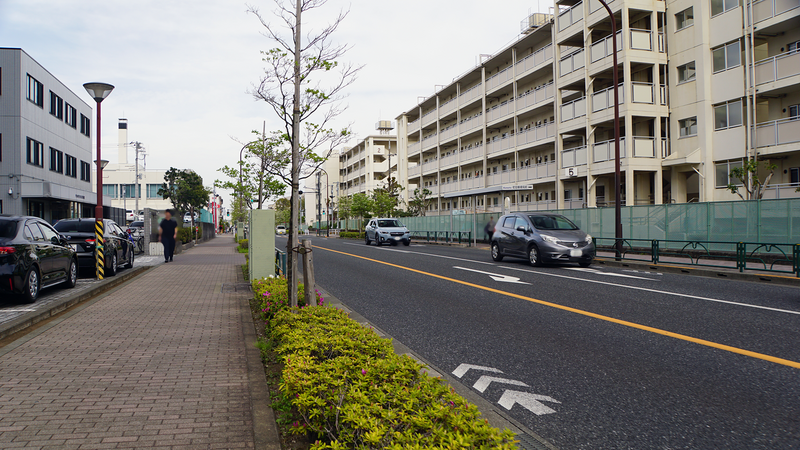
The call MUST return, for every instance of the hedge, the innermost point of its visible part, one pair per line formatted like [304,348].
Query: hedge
[186,235]
[350,390]
[351,234]
[243,243]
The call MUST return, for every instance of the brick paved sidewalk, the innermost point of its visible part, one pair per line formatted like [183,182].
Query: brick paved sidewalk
[158,363]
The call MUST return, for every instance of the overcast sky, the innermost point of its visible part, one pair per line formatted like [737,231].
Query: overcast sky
[182,68]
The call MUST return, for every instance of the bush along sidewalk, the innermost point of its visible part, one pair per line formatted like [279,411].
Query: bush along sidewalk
[348,389]
[351,235]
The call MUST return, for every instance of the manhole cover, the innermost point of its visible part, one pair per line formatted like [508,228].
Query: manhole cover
[232,288]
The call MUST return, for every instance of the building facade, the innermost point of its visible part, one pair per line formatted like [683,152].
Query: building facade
[532,126]
[45,143]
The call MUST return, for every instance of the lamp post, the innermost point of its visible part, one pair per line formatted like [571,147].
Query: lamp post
[319,199]
[617,177]
[241,188]
[99,92]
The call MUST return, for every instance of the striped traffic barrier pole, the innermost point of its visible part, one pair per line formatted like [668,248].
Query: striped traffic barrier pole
[98,244]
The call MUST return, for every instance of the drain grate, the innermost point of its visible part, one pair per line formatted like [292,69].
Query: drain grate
[528,442]
[232,288]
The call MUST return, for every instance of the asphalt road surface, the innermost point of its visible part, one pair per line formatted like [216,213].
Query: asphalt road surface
[589,358]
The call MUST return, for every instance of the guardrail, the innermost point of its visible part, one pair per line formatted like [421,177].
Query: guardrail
[444,236]
[768,257]
[280,263]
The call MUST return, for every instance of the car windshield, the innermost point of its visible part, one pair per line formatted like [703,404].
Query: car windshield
[552,223]
[75,226]
[389,223]
[281,227]
[8,228]
[138,224]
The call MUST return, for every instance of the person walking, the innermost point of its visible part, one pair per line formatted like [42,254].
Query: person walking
[167,234]
[488,230]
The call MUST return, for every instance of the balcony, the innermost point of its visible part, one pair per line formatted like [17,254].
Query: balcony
[605,151]
[786,190]
[413,127]
[448,160]
[604,99]
[528,63]
[500,178]
[429,141]
[429,166]
[445,188]
[448,132]
[472,153]
[778,132]
[778,67]
[604,47]
[414,148]
[574,109]
[595,5]
[542,205]
[428,117]
[499,78]
[500,111]
[641,39]
[448,107]
[573,157]
[572,62]
[537,171]
[535,96]
[470,94]
[499,145]
[414,171]
[535,134]
[570,16]
[767,9]
[643,92]
[471,183]
[470,124]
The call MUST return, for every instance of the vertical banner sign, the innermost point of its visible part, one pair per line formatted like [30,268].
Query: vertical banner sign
[99,246]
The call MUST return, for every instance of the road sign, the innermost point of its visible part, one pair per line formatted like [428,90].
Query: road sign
[458,212]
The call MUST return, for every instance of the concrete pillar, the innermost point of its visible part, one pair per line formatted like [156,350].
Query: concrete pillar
[630,191]
[591,197]
[678,183]
[658,189]
[261,243]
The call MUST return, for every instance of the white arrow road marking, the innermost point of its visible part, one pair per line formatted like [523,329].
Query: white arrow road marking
[495,276]
[531,402]
[463,368]
[610,274]
[484,381]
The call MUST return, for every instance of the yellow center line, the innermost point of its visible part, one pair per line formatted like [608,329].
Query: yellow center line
[682,337]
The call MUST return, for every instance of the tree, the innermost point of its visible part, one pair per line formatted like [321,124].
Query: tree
[748,176]
[283,210]
[383,203]
[362,205]
[290,89]
[343,209]
[419,203]
[185,190]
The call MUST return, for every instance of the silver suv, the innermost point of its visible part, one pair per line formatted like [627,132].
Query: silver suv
[386,230]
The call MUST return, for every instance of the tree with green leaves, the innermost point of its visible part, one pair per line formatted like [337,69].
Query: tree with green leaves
[383,203]
[282,210]
[344,208]
[362,206]
[292,88]
[420,201]
[748,175]
[185,190]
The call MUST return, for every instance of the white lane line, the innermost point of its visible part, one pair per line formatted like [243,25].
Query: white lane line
[609,274]
[657,291]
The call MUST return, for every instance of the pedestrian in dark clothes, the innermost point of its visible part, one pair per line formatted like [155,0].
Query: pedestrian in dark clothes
[167,234]
[488,230]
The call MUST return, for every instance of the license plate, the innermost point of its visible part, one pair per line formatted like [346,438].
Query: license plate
[74,247]
[575,253]
[397,238]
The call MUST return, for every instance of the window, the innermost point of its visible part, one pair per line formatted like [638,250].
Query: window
[728,115]
[520,222]
[688,127]
[794,176]
[86,171]
[720,6]
[86,124]
[72,115]
[127,191]
[35,153]
[110,190]
[686,72]
[794,113]
[726,57]
[723,171]
[56,160]
[71,168]
[56,106]
[35,92]
[684,18]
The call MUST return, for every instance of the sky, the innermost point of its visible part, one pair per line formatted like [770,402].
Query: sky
[183,68]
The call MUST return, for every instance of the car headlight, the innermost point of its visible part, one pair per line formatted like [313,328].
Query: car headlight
[550,239]
[588,238]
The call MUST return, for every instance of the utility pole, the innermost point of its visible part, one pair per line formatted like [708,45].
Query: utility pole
[137,190]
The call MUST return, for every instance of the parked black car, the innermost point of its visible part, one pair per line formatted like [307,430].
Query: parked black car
[118,248]
[541,238]
[33,256]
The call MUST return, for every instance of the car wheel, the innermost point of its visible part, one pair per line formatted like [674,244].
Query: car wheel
[72,274]
[366,239]
[32,285]
[496,255]
[407,242]
[129,265]
[377,240]
[585,263]
[533,256]
[112,268]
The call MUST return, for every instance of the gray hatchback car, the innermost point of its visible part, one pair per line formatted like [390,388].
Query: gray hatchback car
[386,231]
[541,238]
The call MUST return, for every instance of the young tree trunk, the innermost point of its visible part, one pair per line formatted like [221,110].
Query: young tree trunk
[293,237]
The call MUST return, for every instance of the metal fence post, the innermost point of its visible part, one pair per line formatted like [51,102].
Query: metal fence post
[796,259]
[741,251]
[654,252]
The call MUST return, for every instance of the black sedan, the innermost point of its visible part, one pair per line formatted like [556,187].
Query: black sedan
[33,256]
[541,238]
[118,249]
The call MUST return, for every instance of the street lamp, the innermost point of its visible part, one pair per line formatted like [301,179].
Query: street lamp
[99,92]
[319,201]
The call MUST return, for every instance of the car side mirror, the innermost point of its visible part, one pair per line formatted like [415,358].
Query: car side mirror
[522,229]
[56,240]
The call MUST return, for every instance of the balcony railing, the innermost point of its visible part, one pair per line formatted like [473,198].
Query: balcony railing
[448,107]
[414,148]
[471,183]
[777,67]
[537,171]
[499,78]
[506,176]
[448,132]
[428,166]
[663,94]
[535,96]
[573,109]
[428,117]
[643,92]
[644,147]
[542,205]
[452,159]
[414,171]
[594,5]
[537,133]
[413,126]
[570,16]
[767,9]
[572,157]
[536,58]
[452,186]
[786,190]
[604,47]
[641,39]
[662,42]
[778,132]
[572,62]
[606,151]
[604,99]
[500,111]
[472,153]
[500,145]
[471,123]
[471,93]
[429,142]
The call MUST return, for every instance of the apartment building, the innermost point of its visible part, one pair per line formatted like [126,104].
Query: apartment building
[532,126]
[45,143]
[327,180]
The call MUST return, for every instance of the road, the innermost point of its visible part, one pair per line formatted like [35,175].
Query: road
[598,358]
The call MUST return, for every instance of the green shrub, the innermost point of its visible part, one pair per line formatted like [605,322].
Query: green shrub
[243,243]
[273,296]
[186,235]
[351,234]
[351,390]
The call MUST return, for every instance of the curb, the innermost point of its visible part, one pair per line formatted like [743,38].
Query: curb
[491,412]
[34,317]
